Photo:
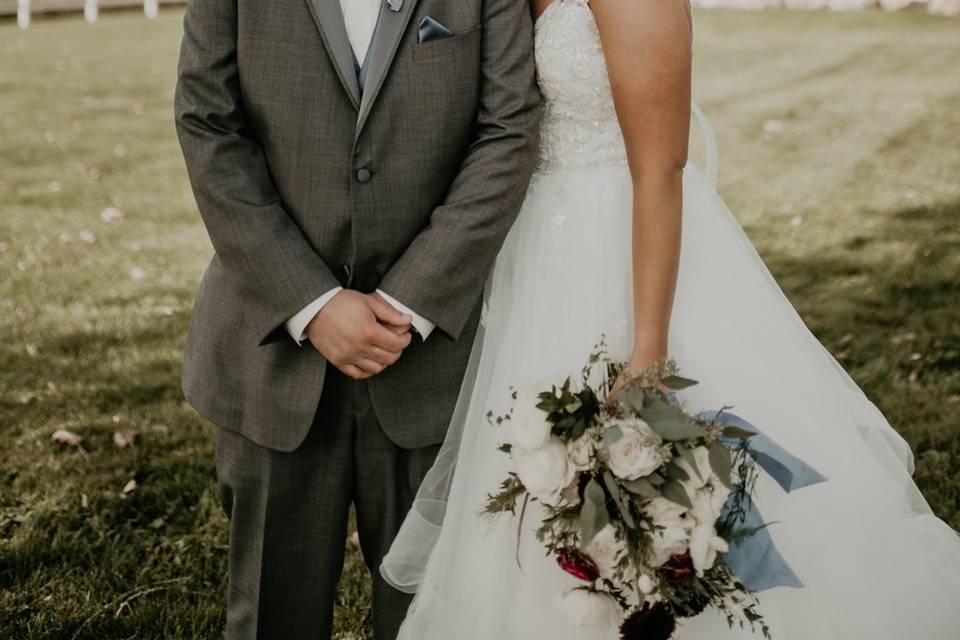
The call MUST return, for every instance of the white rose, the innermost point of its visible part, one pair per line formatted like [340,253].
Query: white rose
[704,545]
[702,457]
[667,543]
[545,472]
[708,503]
[666,513]
[606,550]
[582,451]
[636,453]
[528,425]
[584,608]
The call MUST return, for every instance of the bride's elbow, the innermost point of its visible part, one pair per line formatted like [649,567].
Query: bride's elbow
[659,173]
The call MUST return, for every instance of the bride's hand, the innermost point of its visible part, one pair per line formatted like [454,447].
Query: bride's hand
[634,368]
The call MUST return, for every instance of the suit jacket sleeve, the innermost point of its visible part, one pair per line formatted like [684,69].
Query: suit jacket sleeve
[257,241]
[443,271]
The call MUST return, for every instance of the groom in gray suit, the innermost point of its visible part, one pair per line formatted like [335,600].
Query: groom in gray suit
[357,164]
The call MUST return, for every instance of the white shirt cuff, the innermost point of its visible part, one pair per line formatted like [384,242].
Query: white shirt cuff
[423,326]
[297,325]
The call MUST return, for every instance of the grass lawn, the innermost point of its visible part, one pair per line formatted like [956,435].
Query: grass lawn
[838,138]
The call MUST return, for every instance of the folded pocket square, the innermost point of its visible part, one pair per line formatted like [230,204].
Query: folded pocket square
[430,30]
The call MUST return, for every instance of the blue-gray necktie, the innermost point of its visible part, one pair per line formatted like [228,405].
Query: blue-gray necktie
[361,70]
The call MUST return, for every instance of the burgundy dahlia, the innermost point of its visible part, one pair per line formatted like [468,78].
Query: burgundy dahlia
[679,567]
[649,623]
[577,564]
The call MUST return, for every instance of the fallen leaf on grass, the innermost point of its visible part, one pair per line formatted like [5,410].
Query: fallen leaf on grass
[773,126]
[124,438]
[69,438]
[129,488]
[111,214]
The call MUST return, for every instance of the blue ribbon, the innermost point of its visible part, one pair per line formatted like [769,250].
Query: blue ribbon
[789,471]
[755,560]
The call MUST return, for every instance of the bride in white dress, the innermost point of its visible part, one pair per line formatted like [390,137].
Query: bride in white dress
[597,252]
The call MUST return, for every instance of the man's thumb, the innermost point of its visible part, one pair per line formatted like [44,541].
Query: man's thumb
[386,312]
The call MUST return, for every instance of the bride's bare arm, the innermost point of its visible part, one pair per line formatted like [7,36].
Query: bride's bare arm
[647,45]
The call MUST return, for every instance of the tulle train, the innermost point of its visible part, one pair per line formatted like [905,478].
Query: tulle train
[874,560]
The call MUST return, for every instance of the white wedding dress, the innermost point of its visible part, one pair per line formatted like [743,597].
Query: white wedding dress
[876,563]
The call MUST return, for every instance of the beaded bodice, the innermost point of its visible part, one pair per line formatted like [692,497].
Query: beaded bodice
[579,126]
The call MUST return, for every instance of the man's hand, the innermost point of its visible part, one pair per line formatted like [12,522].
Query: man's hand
[361,335]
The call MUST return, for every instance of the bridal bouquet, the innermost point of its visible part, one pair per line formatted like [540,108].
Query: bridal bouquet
[639,499]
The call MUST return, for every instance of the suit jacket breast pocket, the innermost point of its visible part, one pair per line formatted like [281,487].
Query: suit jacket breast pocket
[457,49]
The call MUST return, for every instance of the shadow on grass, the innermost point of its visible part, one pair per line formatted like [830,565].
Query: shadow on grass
[887,305]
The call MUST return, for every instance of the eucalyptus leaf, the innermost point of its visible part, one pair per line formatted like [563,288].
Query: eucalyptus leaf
[656,408]
[578,430]
[675,472]
[614,491]
[687,454]
[642,487]
[677,382]
[593,512]
[611,435]
[672,430]
[674,492]
[737,433]
[632,399]
[721,462]
[655,479]
[547,405]
[573,405]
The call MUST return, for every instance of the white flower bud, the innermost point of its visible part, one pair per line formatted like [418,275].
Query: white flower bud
[545,472]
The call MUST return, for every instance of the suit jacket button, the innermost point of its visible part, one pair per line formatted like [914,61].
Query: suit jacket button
[363,175]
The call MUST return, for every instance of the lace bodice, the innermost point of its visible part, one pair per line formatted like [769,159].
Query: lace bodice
[579,126]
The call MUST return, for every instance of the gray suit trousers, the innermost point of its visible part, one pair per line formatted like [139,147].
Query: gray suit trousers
[288,517]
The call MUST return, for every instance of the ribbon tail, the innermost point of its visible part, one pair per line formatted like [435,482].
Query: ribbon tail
[789,471]
[755,560]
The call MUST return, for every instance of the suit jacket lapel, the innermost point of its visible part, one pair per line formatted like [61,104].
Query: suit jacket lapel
[329,19]
[383,49]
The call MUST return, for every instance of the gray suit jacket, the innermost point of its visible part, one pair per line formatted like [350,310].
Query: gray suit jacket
[303,185]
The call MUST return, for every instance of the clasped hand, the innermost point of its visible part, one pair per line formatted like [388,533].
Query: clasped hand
[360,334]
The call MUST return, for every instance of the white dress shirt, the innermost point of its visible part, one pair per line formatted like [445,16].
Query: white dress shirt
[360,18]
